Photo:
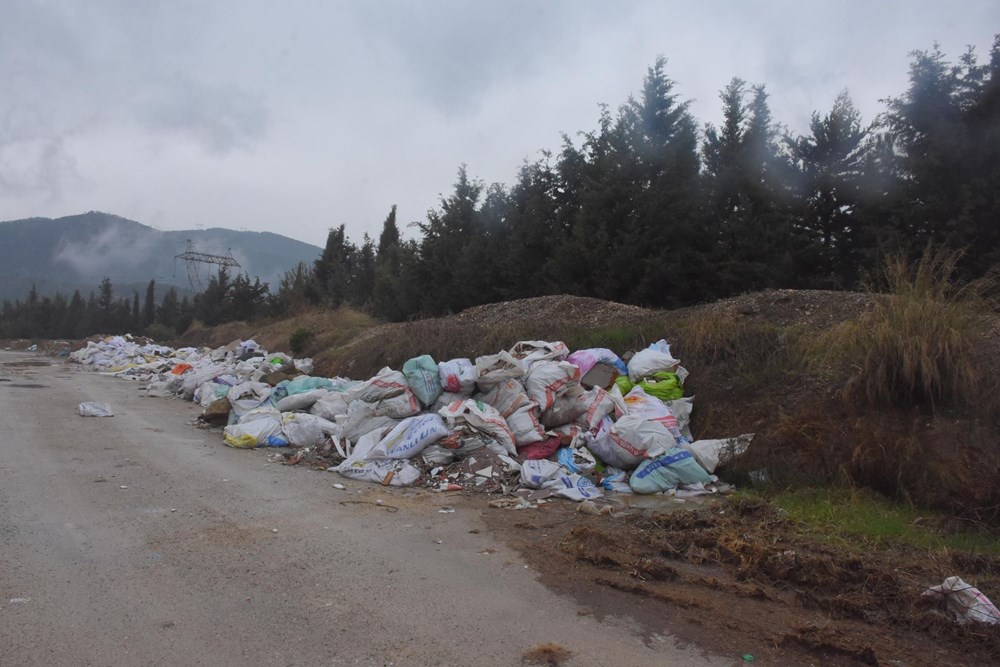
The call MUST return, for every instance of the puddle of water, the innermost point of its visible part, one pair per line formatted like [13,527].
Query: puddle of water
[26,386]
[23,364]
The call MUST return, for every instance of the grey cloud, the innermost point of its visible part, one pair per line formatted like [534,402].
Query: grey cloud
[219,118]
[109,248]
[455,50]
[67,69]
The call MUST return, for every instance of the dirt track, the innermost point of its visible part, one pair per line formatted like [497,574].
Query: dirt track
[139,539]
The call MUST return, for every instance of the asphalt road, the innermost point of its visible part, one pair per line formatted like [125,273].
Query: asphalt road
[141,540]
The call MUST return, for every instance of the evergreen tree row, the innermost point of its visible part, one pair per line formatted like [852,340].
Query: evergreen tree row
[651,208]
[223,299]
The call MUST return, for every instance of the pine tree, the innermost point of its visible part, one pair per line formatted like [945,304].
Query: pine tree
[831,160]
[149,305]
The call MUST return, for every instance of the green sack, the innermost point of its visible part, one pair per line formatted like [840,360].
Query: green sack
[624,384]
[421,374]
[663,385]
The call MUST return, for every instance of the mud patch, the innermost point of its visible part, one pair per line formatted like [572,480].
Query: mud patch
[737,578]
[550,655]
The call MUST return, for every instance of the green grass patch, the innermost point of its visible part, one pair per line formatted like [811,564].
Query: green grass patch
[858,518]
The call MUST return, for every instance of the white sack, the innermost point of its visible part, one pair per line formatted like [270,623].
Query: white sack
[548,475]
[967,602]
[328,406]
[525,426]
[301,401]
[629,441]
[507,397]
[711,453]
[654,358]
[458,376]
[387,472]
[548,379]
[494,369]
[530,352]
[386,384]
[480,417]
[265,432]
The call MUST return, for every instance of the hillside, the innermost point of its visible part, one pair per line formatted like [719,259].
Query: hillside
[76,252]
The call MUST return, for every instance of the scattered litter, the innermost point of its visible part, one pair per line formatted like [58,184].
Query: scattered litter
[19,600]
[94,409]
[122,487]
[446,510]
[340,486]
[380,504]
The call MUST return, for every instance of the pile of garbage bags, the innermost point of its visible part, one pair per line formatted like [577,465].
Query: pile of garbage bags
[537,419]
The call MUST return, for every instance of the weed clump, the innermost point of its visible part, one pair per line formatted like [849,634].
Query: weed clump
[299,339]
[917,345]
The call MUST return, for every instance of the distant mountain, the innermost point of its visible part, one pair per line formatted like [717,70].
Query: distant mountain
[77,251]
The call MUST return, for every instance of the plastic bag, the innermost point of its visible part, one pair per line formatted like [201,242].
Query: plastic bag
[95,409]
[615,479]
[524,424]
[966,602]
[654,358]
[458,376]
[576,460]
[666,472]
[681,409]
[587,359]
[247,395]
[663,385]
[423,376]
[305,430]
[548,379]
[265,432]
[550,476]
[494,369]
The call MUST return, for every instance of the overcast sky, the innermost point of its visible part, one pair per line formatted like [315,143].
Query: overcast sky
[299,115]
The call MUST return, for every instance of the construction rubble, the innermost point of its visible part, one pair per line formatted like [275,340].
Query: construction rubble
[526,424]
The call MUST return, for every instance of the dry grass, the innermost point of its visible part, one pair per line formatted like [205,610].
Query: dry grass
[747,352]
[918,345]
